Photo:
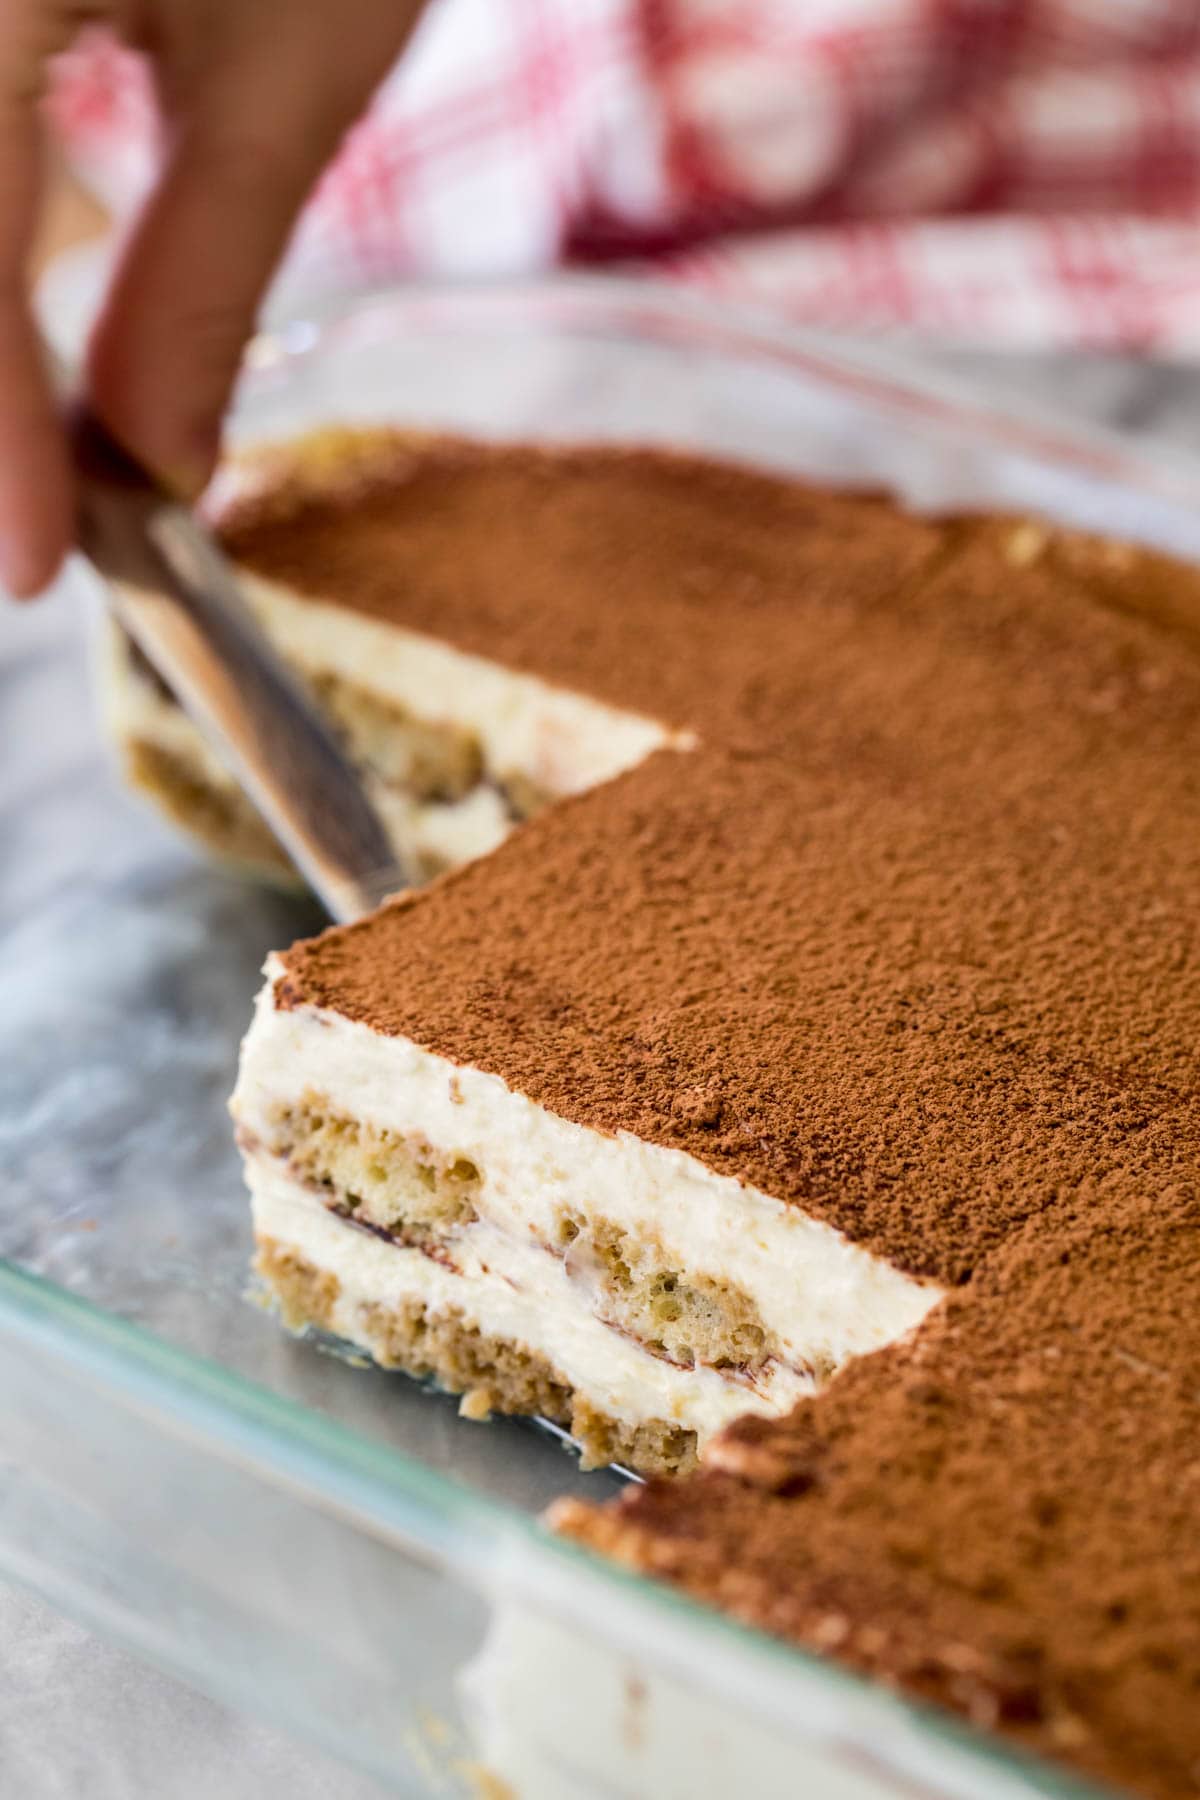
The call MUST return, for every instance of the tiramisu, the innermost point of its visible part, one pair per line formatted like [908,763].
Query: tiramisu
[852,1008]
[455,747]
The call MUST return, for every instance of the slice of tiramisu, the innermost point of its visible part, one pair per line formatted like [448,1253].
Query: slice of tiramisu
[629,1283]
[456,747]
[494,627]
[415,1201]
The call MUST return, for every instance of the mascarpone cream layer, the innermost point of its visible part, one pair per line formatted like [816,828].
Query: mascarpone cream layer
[560,741]
[822,1298]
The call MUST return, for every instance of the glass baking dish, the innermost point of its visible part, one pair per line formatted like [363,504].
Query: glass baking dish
[331,1546]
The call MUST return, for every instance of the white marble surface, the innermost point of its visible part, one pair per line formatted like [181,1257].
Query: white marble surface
[80,1720]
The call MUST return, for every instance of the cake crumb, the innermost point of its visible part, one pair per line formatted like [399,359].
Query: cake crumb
[485,1783]
[1026,544]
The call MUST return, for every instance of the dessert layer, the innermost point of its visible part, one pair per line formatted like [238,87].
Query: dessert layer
[658,1289]
[464,1324]
[457,750]
[436,719]
[494,1374]
[166,758]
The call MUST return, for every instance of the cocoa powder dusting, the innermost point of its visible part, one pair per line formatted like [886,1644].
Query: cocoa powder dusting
[909,942]
[560,565]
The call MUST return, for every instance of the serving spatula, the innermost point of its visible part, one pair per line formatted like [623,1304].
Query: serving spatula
[175,594]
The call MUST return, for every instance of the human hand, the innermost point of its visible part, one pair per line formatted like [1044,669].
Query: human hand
[256,95]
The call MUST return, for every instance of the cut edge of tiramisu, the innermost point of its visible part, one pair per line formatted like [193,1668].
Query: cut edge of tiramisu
[447,1224]
[455,748]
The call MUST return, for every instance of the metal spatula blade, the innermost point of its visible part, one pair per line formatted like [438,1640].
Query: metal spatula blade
[177,598]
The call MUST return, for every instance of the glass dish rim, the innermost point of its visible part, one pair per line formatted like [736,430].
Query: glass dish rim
[369,1482]
[880,372]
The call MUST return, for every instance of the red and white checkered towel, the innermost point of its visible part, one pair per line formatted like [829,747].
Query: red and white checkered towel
[1020,172]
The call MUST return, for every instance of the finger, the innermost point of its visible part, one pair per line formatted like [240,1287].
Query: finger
[35,487]
[257,126]
[166,349]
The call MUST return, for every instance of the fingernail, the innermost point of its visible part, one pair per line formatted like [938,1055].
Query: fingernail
[184,482]
[183,471]
[188,475]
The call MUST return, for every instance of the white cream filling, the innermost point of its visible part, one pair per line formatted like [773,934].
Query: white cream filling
[510,1290]
[437,833]
[823,1298]
[560,741]
[442,833]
